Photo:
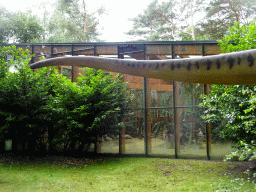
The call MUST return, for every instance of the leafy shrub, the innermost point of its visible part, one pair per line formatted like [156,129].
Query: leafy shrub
[23,96]
[233,106]
[38,105]
[89,109]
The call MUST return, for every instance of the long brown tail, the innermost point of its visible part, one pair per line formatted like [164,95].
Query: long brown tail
[231,68]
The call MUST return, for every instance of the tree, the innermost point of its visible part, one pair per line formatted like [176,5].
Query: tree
[45,9]
[71,22]
[222,14]
[25,27]
[188,9]
[19,26]
[166,21]
[4,25]
[234,106]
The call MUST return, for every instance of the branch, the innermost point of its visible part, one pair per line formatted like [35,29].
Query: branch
[92,25]
[77,9]
[174,25]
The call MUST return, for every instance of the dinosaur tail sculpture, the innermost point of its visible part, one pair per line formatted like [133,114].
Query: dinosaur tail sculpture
[232,68]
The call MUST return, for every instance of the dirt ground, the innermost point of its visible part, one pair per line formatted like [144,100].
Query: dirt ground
[240,168]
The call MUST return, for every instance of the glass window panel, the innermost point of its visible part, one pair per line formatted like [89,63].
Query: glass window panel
[134,132]
[192,133]
[163,141]
[189,93]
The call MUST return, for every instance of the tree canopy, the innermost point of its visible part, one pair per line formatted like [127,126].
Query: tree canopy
[70,21]
[25,27]
[5,16]
[185,20]
[166,21]
[19,27]
[222,14]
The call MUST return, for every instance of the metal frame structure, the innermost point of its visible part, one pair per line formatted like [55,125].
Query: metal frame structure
[137,50]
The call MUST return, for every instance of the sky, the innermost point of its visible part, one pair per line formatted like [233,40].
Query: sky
[114,23]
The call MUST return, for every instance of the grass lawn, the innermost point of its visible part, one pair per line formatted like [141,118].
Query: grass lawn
[121,174]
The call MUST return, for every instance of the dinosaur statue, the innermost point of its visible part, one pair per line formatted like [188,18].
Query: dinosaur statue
[230,69]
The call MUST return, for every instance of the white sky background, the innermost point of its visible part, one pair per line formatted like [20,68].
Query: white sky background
[114,23]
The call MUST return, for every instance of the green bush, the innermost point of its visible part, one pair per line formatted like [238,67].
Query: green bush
[72,114]
[233,106]
[89,109]
[23,96]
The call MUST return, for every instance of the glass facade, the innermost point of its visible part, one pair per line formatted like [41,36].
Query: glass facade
[162,117]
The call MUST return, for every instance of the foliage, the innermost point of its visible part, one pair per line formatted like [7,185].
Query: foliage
[226,104]
[4,25]
[198,35]
[45,102]
[72,22]
[222,14]
[233,106]
[25,27]
[167,21]
[89,109]
[242,38]
[191,121]
[19,26]
[23,96]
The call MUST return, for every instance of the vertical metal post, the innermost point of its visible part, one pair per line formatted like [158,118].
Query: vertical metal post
[174,110]
[145,106]
[94,50]
[207,124]
[203,50]
[174,118]
[72,67]
[122,130]
[145,114]
[208,127]
[32,51]
[51,50]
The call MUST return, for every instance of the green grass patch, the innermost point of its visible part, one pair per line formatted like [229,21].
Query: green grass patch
[120,174]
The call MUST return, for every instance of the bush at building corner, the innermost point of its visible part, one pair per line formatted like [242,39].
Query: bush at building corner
[43,111]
